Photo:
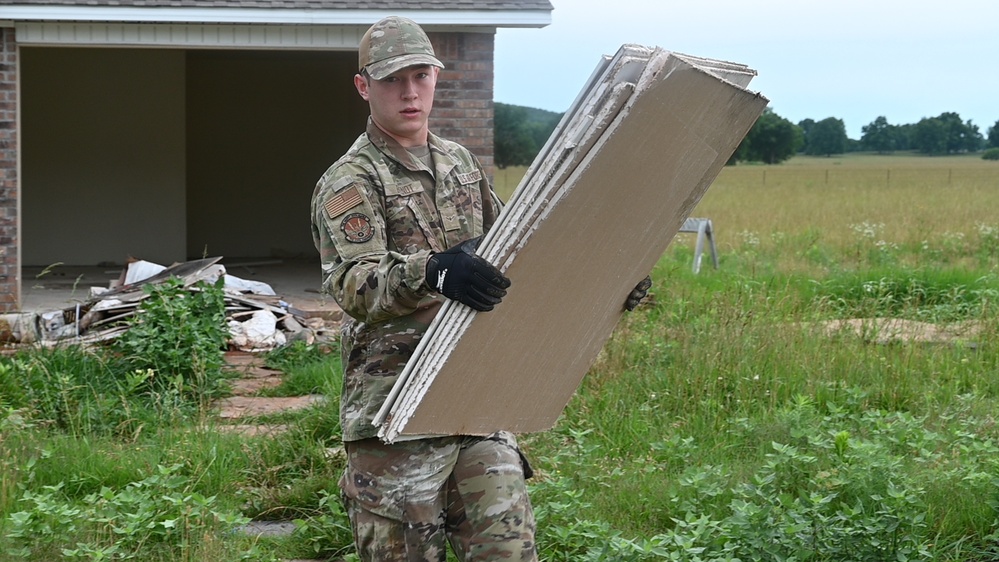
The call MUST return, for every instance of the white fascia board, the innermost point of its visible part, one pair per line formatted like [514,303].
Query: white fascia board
[129,14]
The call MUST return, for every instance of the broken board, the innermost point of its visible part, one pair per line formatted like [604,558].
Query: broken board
[627,164]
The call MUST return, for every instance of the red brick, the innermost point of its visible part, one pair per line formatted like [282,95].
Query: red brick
[9,290]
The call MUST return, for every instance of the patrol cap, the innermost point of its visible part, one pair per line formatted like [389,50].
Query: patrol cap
[392,44]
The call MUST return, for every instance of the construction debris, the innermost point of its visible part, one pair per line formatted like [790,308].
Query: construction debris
[257,318]
[594,213]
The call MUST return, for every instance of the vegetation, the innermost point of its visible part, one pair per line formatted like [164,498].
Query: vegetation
[825,138]
[772,140]
[754,412]
[521,132]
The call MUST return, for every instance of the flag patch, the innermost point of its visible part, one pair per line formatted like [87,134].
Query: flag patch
[343,202]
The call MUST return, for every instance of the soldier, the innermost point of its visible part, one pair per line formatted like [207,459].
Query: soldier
[396,221]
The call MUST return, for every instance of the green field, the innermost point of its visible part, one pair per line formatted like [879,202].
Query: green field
[829,393]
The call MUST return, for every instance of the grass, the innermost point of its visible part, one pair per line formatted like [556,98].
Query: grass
[720,422]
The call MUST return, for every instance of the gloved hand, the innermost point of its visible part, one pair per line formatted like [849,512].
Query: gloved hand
[459,274]
[638,293]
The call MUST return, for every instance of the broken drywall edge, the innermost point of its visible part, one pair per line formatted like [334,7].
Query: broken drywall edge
[448,332]
[513,213]
[458,317]
[421,387]
[574,123]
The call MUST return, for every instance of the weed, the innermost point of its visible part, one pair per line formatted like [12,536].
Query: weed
[308,369]
[177,339]
[157,517]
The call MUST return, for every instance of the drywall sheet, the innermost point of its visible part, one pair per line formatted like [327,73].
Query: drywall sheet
[596,210]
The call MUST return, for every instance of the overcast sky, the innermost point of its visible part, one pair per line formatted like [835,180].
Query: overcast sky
[850,59]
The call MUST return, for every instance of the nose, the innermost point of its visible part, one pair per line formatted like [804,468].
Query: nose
[408,89]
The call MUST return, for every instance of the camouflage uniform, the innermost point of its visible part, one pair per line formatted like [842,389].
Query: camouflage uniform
[377,214]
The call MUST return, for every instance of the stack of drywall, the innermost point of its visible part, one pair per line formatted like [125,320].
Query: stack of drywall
[595,211]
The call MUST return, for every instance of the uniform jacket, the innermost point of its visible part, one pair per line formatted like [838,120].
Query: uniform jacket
[377,214]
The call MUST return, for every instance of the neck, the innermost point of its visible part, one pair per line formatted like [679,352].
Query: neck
[419,138]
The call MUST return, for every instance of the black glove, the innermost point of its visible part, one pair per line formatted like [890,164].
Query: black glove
[638,293]
[459,274]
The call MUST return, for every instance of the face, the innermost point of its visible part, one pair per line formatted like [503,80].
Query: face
[401,103]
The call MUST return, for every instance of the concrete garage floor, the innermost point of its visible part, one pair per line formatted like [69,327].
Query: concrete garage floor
[57,287]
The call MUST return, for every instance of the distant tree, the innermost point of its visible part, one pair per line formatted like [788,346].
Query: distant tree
[880,136]
[541,129]
[929,136]
[514,145]
[946,134]
[806,126]
[827,137]
[904,139]
[961,136]
[772,140]
[994,135]
[520,132]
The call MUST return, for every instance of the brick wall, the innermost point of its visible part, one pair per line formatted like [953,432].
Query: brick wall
[10,267]
[463,106]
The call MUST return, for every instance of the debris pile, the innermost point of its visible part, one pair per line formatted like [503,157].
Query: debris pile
[257,318]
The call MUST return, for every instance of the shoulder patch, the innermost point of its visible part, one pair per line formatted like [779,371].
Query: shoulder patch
[342,182]
[343,202]
[470,177]
[357,228]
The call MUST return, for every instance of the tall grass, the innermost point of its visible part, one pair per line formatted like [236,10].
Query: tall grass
[946,205]
[760,411]
[726,419]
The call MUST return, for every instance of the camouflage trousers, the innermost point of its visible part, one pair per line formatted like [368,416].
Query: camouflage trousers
[405,499]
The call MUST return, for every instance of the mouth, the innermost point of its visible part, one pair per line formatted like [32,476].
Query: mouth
[410,112]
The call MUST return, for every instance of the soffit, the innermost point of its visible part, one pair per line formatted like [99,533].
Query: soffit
[278,24]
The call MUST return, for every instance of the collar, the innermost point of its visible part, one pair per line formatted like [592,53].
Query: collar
[391,147]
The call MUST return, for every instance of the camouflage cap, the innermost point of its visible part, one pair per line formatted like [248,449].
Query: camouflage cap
[392,44]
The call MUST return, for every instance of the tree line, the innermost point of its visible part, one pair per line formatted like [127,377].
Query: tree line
[774,139]
[521,132]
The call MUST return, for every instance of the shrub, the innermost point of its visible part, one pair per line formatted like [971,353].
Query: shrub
[177,338]
[991,154]
[156,517]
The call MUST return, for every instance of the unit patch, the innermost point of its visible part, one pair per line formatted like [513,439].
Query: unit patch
[357,228]
[470,177]
[343,202]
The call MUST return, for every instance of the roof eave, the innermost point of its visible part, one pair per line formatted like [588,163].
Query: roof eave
[130,14]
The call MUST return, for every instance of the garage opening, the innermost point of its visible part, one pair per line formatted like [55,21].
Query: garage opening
[171,154]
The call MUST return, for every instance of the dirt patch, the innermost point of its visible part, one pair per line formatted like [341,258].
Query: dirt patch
[897,330]
[247,430]
[254,376]
[242,360]
[249,386]
[237,407]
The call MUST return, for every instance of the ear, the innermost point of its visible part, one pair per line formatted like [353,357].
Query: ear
[361,84]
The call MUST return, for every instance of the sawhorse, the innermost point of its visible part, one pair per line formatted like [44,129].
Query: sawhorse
[702,227]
